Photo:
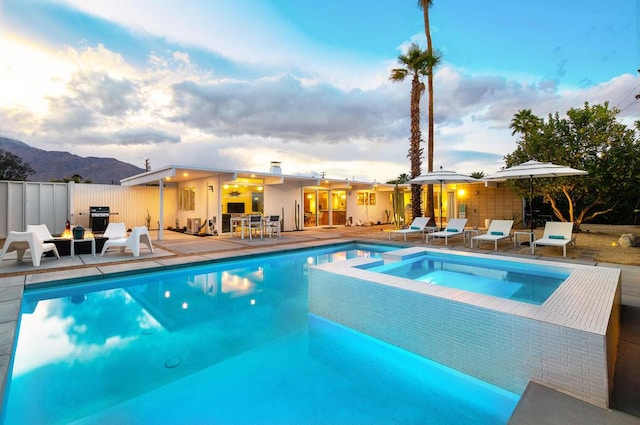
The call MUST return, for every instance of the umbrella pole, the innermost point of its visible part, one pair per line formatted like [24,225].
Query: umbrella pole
[440,204]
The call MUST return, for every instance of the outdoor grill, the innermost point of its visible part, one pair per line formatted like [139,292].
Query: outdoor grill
[98,219]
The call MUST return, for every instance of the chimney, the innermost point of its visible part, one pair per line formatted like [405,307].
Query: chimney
[275,167]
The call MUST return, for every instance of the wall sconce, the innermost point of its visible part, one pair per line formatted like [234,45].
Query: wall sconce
[477,192]
[210,188]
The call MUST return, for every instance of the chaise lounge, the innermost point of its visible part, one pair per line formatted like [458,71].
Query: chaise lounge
[418,225]
[498,230]
[556,234]
[455,226]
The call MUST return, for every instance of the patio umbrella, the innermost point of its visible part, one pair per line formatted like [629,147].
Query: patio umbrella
[442,176]
[534,169]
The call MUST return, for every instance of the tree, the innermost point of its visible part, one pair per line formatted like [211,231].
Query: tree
[416,63]
[12,167]
[425,5]
[76,178]
[589,139]
[525,123]
[402,178]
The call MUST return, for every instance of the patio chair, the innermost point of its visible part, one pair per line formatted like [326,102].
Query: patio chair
[138,235]
[115,231]
[418,225]
[498,230]
[272,225]
[455,227]
[255,224]
[33,240]
[556,234]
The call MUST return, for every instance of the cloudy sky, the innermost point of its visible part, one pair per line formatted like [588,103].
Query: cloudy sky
[237,84]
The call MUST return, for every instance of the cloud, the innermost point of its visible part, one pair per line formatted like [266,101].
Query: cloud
[90,98]
[287,108]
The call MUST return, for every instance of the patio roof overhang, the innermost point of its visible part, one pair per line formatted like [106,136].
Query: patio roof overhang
[177,174]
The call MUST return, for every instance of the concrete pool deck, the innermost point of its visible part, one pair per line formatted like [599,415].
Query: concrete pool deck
[538,404]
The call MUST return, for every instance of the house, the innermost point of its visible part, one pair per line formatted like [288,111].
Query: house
[203,200]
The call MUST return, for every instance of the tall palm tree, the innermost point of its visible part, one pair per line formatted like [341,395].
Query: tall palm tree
[415,63]
[525,123]
[425,5]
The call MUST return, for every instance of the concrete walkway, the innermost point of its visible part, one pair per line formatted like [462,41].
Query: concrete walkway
[539,405]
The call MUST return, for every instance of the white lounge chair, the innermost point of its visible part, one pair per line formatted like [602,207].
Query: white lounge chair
[418,225]
[115,230]
[498,230]
[33,240]
[455,227]
[556,234]
[138,235]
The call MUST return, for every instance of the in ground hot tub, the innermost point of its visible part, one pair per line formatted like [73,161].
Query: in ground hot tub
[568,341]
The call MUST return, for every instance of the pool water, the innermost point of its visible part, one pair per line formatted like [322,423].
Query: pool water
[525,282]
[226,343]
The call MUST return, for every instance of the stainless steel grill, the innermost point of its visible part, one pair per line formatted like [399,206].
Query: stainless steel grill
[98,219]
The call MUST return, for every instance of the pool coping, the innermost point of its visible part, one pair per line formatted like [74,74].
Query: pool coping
[573,304]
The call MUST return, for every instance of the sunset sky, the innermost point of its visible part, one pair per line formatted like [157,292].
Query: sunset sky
[237,84]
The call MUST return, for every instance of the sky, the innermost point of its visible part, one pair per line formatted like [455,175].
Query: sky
[238,84]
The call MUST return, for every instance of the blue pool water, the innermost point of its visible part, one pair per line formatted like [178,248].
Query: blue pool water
[226,343]
[526,282]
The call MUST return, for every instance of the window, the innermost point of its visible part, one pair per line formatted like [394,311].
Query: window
[366,198]
[187,199]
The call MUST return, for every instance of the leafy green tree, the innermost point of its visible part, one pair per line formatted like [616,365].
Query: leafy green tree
[12,167]
[590,139]
[416,63]
[477,174]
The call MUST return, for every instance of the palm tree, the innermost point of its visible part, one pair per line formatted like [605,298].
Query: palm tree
[416,63]
[525,123]
[425,5]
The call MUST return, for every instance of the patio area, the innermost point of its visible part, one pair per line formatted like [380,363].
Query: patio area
[539,404]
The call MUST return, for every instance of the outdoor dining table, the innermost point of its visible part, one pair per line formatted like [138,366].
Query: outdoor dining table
[242,223]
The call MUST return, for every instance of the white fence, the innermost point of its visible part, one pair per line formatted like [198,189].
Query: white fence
[23,203]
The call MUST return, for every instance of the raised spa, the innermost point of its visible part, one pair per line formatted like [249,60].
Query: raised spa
[568,342]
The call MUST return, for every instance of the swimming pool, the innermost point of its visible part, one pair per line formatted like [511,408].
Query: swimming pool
[230,342]
[526,282]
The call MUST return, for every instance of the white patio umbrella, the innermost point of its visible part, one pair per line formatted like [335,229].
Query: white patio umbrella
[534,169]
[442,176]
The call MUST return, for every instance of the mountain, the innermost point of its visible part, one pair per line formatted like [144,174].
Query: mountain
[55,165]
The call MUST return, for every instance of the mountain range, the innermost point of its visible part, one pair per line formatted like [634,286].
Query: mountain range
[56,165]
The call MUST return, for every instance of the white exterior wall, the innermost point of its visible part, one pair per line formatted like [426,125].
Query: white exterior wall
[204,205]
[369,213]
[282,197]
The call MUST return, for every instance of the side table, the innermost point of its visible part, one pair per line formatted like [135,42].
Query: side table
[469,232]
[528,234]
[75,241]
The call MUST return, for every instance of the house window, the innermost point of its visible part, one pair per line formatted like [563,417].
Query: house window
[366,198]
[187,199]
